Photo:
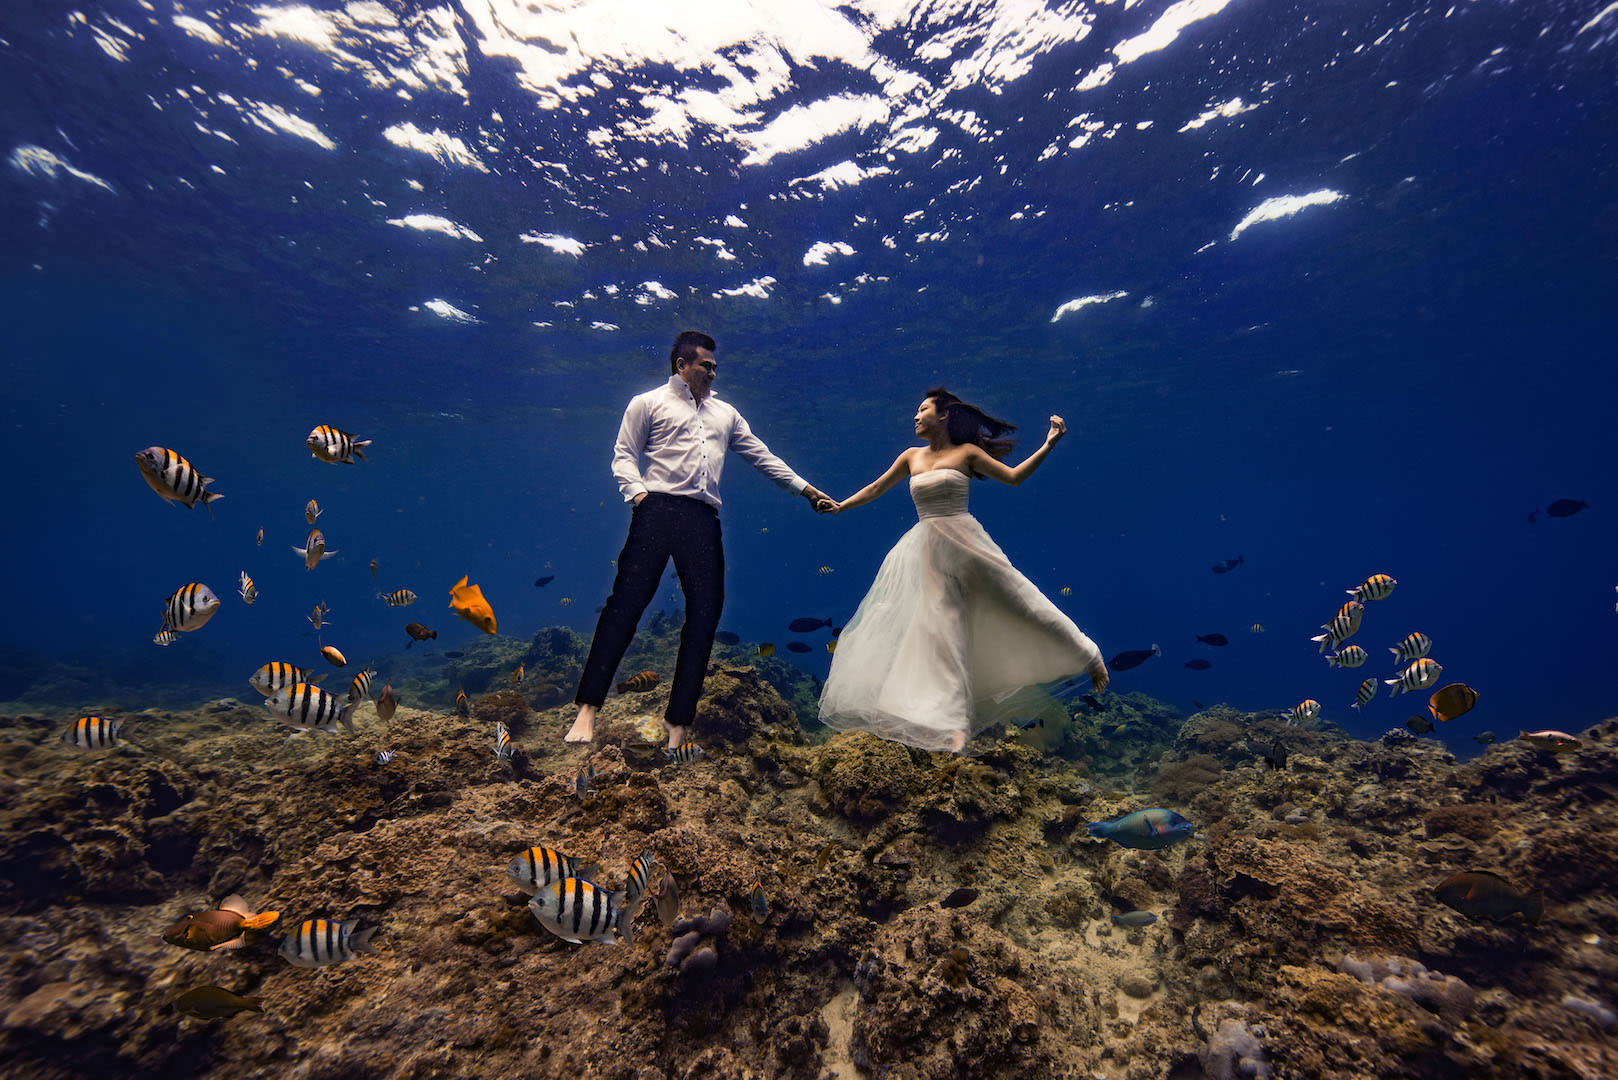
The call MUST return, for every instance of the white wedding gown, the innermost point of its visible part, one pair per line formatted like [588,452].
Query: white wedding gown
[948,633]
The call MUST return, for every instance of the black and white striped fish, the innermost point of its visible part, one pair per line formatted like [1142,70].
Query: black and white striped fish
[1375,587]
[309,708]
[384,756]
[337,447]
[320,942]
[278,674]
[685,753]
[190,607]
[165,636]
[640,876]
[175,478]
[577,911]
[1418,676]
[541,866]
[246,589]
[92,733]
[397,598]
[502,742]
[314,550]
[1303,712]
[1351,656]
[1344,625]
[1366,692]
[1415,646]
[360,689]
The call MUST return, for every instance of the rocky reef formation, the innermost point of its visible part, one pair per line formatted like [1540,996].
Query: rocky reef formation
[1298,933]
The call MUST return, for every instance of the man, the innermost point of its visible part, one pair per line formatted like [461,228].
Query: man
[683,431]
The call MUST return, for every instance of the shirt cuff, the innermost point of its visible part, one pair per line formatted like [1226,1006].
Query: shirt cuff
[633,490]
[798,485]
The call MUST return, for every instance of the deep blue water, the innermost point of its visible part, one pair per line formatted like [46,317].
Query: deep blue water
[1387,382]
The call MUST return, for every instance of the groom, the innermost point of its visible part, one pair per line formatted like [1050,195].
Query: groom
[682,430]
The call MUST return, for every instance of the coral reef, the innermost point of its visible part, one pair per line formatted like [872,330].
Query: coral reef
[927,915]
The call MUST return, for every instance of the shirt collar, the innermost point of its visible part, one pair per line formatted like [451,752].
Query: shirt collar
[677,385]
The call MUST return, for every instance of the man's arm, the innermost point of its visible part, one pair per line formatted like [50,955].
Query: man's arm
[627,451]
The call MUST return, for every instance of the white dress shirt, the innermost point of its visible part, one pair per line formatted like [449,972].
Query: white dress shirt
[684,444]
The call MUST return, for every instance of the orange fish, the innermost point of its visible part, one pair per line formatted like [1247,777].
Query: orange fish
[645,680]
[1451,701]
[467,602]
[219,929]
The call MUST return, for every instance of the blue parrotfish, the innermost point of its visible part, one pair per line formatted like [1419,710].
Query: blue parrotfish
[1144,830]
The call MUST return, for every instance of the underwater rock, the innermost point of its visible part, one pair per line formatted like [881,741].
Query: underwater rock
[864,777]
[1137,985]
[737,705]
[1234,1052]
[1446,995]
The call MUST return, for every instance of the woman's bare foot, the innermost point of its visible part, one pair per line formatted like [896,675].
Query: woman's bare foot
[957,741]
[676,735]
[583,729]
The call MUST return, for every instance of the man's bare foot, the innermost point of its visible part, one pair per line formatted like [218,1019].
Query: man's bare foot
[676,735]
[583,729]
[957,741]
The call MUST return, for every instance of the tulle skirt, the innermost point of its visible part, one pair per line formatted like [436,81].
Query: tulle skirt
[944,639]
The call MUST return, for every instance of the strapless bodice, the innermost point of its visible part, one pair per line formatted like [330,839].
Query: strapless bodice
[939,492]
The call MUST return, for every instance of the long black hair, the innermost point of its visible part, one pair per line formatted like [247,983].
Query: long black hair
[969,424]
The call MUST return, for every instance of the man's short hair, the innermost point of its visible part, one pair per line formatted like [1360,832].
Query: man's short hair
[686,344]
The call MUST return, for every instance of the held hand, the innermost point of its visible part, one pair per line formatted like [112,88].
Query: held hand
[818,499]
[828,506]
[1058,429]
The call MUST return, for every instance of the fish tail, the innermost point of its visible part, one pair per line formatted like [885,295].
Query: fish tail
[626,925]
[252,1004]
[261,920]
[359,451]
[302,553]
[1533,907]
[588,873]
[361,942]
[327,555]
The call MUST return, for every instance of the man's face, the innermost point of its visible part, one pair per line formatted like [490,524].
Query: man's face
[698,374]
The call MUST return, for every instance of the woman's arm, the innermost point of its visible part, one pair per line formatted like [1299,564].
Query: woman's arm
[896,472]
[984,465]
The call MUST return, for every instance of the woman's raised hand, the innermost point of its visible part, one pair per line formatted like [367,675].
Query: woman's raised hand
[1058,429]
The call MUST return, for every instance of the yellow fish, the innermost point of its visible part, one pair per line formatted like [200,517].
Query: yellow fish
[467,601]
[1066,590]
[311,511]
[261,536]
[767,648]
[516,676]
[566,601]
[831,646]
[826,570]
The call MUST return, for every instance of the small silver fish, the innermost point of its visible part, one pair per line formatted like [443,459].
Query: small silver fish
[314,550]
[246,589]
[165,637]
[384,756]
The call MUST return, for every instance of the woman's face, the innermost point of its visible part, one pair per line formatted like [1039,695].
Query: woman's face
[929,417]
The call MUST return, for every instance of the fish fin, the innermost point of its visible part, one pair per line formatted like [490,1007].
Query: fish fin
[261,920]
[346,716]
[361,942]
[233,943]
[328,554]
[318,678]
[626,925]
[302,553]
[234,902]
[588,873]
[461,584]
[252,1004]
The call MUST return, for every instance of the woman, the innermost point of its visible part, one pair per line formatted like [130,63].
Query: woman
[950,630]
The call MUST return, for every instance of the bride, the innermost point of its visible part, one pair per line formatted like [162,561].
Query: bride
[950,630]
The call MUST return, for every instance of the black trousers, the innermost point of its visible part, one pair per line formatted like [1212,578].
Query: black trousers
[662,527]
